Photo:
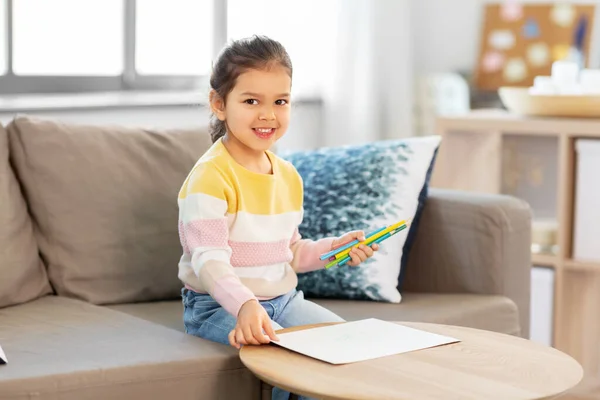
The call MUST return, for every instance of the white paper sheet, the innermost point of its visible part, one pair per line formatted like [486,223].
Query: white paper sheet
[359,341]
[3,359]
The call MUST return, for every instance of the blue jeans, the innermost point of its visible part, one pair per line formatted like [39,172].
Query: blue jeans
[204,317]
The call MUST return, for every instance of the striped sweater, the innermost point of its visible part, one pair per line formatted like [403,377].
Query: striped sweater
[239,230]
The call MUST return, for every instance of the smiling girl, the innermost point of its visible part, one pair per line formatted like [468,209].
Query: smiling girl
[240,208]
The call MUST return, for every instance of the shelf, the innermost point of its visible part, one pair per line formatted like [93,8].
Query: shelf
[544,260]
[495,120]
[582,265]
[549,260]
[492,135]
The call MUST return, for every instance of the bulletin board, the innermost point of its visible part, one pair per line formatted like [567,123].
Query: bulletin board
[521,41]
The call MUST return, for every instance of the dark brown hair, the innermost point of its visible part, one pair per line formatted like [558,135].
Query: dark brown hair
[256,52]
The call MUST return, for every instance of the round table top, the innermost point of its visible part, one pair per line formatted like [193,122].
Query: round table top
[483,365]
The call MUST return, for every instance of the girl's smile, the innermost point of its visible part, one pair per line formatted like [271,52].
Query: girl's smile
[264,133]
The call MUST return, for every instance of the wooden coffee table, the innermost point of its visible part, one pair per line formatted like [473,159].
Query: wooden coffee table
[484,365]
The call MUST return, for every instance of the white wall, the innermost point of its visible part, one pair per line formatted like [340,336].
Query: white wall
[445,34]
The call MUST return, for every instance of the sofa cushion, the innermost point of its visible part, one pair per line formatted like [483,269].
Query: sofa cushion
[68,349]
[22,274]
[494,313]
[167,313]
[104,199]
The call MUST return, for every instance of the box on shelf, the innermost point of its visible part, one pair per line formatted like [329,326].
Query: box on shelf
[544,236]
[542,305]
[586,229]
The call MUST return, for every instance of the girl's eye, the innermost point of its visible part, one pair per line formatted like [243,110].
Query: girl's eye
[251,101]
[281,102]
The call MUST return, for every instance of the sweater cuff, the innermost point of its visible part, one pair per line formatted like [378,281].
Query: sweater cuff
[308,253]
[231,294]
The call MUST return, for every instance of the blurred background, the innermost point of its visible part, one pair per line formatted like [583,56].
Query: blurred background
[363,69]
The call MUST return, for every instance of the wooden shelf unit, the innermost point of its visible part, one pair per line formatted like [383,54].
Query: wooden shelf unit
[471,159]
[582,265]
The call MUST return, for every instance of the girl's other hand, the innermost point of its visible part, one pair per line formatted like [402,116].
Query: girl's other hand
[252,320]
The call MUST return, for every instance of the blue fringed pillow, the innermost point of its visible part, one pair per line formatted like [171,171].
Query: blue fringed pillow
[364,187]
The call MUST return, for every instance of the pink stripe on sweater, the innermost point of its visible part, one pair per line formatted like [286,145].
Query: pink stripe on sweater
[182,238]
[251,254]
[205,233]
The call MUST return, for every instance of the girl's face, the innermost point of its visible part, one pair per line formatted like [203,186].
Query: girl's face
[257,110]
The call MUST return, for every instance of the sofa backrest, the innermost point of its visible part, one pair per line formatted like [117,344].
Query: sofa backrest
[22,274]
[104,202]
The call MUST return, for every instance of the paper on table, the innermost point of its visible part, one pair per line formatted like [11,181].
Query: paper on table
[3,359]
[359,341]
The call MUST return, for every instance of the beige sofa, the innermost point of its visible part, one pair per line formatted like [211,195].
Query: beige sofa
[90,303]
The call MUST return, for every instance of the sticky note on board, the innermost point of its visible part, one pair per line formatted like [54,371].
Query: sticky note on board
[515,70]
[502,39]
[538,54]
[560,51]
[531,29]
[492,61]
[563,14]
[511,11]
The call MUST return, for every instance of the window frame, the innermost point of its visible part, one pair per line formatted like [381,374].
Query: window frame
[130,80]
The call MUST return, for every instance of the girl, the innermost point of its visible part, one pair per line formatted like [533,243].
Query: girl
[240,208]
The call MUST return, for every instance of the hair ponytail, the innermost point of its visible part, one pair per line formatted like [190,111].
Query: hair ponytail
[256,52]
[216,128]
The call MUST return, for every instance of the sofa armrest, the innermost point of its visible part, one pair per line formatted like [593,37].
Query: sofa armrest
[473,243]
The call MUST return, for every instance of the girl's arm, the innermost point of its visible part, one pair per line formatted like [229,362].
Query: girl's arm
[307,252]
[205,236]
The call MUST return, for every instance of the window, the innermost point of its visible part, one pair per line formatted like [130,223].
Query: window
[3,36]
[303,27]
[173,40]
[68,37]
[106,45]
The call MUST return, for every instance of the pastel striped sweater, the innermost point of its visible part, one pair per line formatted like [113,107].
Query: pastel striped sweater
[239,230]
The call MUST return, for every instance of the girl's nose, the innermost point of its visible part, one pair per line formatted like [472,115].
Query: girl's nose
[267,115]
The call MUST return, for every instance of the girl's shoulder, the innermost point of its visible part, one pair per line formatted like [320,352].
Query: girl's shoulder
[287,170]
[213,163]
[208,176]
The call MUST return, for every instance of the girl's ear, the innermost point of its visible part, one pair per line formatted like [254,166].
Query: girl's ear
[217,105]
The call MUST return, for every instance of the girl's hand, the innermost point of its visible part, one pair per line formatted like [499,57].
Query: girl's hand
[251,321]
[357,254]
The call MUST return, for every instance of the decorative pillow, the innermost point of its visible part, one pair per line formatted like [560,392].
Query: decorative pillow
[363,187]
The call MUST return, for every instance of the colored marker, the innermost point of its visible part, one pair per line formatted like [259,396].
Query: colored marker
[370,240]
[378,240]
[347,245]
